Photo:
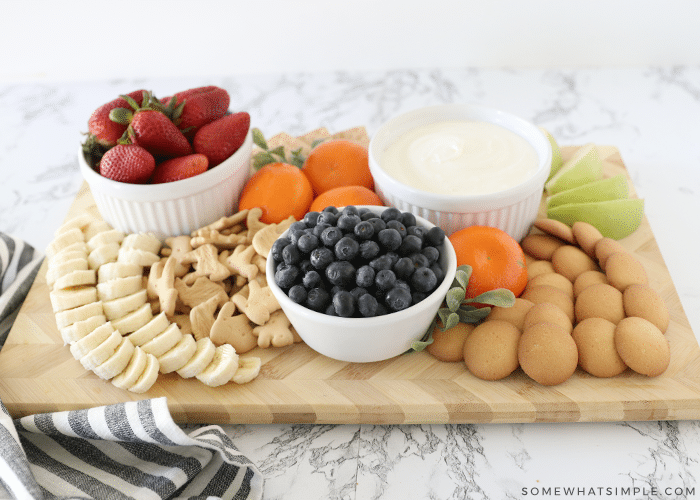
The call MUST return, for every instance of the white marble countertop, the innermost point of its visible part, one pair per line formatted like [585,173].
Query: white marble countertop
[649,113]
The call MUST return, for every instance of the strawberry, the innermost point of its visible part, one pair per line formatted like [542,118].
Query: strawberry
[196,107]
[127,163]
[155,132]
[105,131]
[221,138]
[178,168]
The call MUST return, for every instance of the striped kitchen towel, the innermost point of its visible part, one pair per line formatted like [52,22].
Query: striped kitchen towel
[126,450]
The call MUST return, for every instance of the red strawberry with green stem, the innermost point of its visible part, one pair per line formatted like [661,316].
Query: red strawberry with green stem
[179,168]
[106,131]
[127,163]
[193,108]
[219,139]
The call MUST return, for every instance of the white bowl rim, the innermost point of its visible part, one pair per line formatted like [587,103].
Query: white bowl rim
[338,321]
[168,190]
[473,202]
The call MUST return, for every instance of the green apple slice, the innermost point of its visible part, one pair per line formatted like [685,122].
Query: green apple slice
[612,188]
[585,166]
[557,160]
[614,218]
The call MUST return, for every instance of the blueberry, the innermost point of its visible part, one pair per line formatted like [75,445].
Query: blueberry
[317,299]
[381,310]
[365,276]
[398,299]
[305,266]
[418,296]
[297,225]
[407,219]
[377,223]
[298,293]
[358,292]
[344,304]
[277,246]
[389,239]
[410,244]
[438,271]
[347,248]
[319,228]
[435,236]
[291,254]
[307,242]
[311,218]
[367,214]
[367,305]
[364,230]
[330,310]
[391,213]
[312,279]
[395,224]
[385,279]
[330,236]
[416,231]
[286,275]
[350,210]
[393,257]
[403,268]
[369,249]
[340,272]
[295,234]
[419,260]
[431,253]
[331,209]
[347,222]
[381,262]
[327,217]
[403,284]
[423,279]
[320,257]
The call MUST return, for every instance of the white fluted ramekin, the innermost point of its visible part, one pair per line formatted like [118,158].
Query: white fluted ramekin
[365,340]
[513,210]
[171,208]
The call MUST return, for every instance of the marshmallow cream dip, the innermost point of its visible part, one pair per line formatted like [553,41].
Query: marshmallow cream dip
[460,158]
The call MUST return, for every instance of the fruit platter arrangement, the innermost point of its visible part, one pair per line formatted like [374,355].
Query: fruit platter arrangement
[576,321]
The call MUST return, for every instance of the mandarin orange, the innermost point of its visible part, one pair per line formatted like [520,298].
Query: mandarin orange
[336,163]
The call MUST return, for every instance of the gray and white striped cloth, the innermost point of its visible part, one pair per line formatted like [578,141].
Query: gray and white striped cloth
[125,450]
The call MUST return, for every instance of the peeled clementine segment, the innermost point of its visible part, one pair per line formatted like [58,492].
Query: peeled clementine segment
[612,188]
[584,167]
[557,161]
[614,218]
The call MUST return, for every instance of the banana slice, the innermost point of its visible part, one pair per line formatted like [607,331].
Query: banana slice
[75,251]
[164,341]
[104,237]
[64,240]
[102,352]
[115,270]
[178,356]
[142,241]
[248,369]
[95,227]
[72,333]
[86,277]
[117,362]
[133,370]
[70,316]
[71,298]
[80,221]
[150,330]
[91,340]
[148,377]
[200,359]
[137,256]
[134,320]
[103,254]
[118,287]
[222,367]
[115,309]
[60,269]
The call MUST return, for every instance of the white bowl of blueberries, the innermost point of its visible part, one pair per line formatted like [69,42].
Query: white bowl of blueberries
[361,283]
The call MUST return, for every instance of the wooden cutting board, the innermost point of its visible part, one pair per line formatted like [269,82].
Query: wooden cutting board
[297,385]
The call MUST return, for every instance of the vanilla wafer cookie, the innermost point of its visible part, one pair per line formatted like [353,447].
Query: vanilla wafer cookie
[86,277]
[119,287]
[117,362]
[222,367]
[70,316]
[109,252]
[134,320]
[116,270]
[76,331]
[150,330]
[200,359]
[148,377]
[102,352]
[248,369]
[178,356]
[91,340]
[71,297]
[133,370]
[117,308]
[164,341]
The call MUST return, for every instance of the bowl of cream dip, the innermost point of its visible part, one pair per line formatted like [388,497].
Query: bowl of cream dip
[460,165]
